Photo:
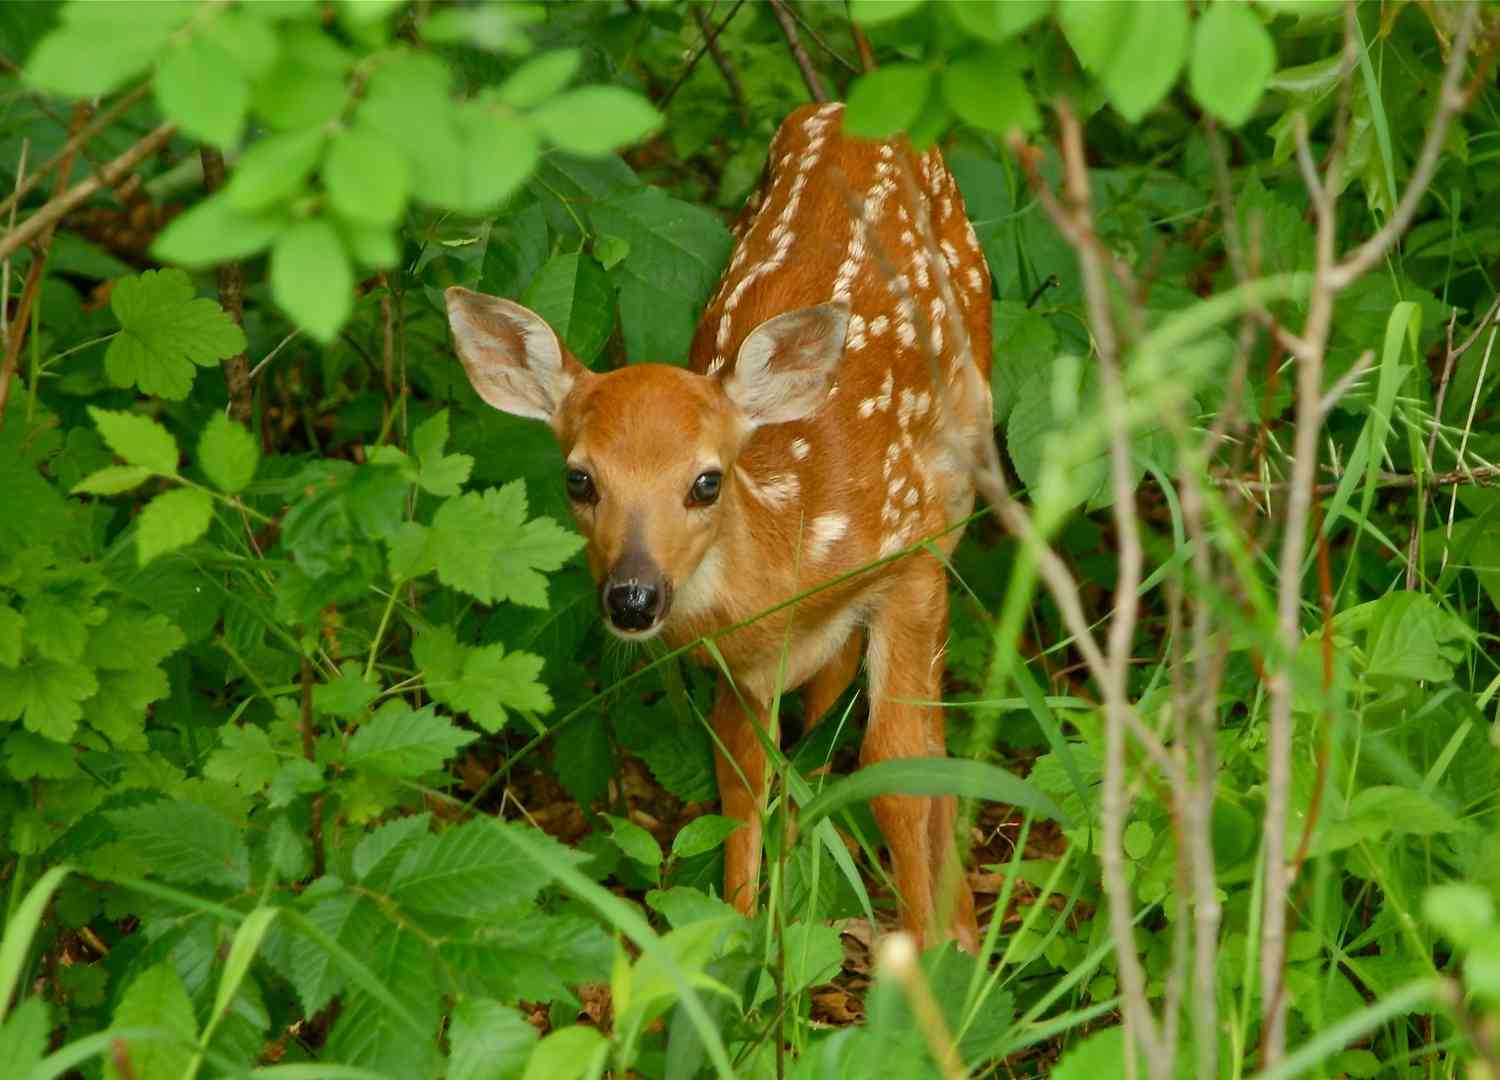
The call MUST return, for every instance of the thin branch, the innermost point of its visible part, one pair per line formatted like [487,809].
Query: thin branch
[1481,476]
[721,61]
[703,49]
[799,51]
[232,299]
[74,144]
[63,204]
[820,43]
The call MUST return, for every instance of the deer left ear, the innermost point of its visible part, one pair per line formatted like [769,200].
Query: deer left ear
[786,364]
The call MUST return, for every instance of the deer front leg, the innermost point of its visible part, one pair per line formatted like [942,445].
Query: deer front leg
[740,763]
[906,640]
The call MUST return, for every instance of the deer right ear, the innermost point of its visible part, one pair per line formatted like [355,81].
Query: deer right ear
[513,359]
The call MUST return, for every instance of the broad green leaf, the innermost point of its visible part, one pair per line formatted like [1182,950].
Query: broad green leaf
[46,695]
[679,755]
[156,999]
[594,120]
[568,1054]
[138,439]
[21,927]
[1460,910]
[1137,840]
[311,278]
[185,842]
[165,328]
[407,101]
[703,834]
[887,100]
[305,88]
[930,776]
[228,454]
[1146,56]
[23,1038]
[363,1035]
[98,47]
[635,843]
[440,473]
[1411,637]
[273,170]
[214,231]
[484,681]
[1016,15]
[111,480]
[12,625]
[573,294]
[875,12]
[1094,29]
[1233,59]
[405,743]
[29,756]
[986,89]
[1024,342]
[202,88]
[540,78]
[171,520]
[583,756]
[348,695]
[471,869]
[366,178]
[677,252]
[490,1041]
[245,758]
[482,544]
[56,627]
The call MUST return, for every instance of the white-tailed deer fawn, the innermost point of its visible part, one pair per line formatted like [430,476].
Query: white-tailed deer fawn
[825,422]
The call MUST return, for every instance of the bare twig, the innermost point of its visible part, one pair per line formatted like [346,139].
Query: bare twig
[721,61]
[74,145]
[61,205]
[820,43]
[309,751]
[1481,476]
[1463,444]
[232,299]
[799,51]
[708,43]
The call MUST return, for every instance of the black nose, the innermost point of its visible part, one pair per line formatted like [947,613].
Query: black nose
[634,606]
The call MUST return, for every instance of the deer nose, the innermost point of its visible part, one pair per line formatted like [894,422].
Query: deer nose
[633,606]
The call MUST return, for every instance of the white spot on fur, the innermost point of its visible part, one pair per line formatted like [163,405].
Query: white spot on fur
[879,325]
[906,332]
[800,448]
[975,279]
[825,531]
[950,254]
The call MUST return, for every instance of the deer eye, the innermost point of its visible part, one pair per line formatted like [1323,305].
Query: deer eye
[580,486]
[706,488]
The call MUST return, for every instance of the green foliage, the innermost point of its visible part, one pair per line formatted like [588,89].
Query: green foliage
[276,662]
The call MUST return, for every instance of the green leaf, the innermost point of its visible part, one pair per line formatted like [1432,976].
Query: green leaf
[29,756]
[156,999]
[1024,341]
[111,480]
[677,252]
[311,279]
[887,100]
[228,454]
[490,1041]
[23,1039]
[482,544]
[540,78]
[568,1054]
[138,439]
[483,681]
[1145,55]
[1411,637]
[875,12]
[46,695]
[348,695]
[581,751]
[930,776]
[635,843]
[702,835]
[294,778]
[164,330]
[573,294]
[1460,910]
[440,473]
[245,758]
[213,232]
[12,624]
[678,754]
[987,90]
[405,743]
[172,520]
[594,120]
[99,46]
[57,628]
[1137,840]
[201,87]
[1233,59]
[366,178]
[273,170]
[185,842]
[471,870]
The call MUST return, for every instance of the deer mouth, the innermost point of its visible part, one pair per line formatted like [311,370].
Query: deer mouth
[635,609]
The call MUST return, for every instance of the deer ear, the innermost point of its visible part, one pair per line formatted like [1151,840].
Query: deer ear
[786,364]
[512,357]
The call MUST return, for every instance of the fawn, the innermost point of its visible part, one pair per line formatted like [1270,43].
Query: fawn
[836,388]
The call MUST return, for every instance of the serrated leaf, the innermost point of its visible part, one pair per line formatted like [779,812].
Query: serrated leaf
[366,178]
[572,293]
[47,696]
[594,120]
[677,252]
[483,681]
[490,1041]
[311,278]
[679,755]
[111,480]
[295,777]
[199,85]
[164,330]
[228,454]
[379,852]
[57,627]
[12,623]
[138,439]
[440,473]
[185,842]
[245,758]
[29,756]
[171,520]
[405,743]
[118,710]
[156,999]
[347,695]
[581,751]
[471,870]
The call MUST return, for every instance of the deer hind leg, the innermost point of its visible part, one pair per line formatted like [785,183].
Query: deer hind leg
[740,764]
[906,640]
